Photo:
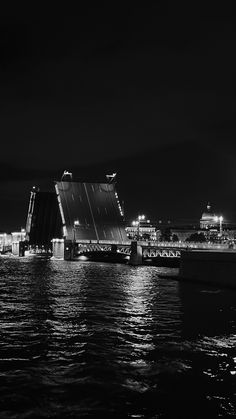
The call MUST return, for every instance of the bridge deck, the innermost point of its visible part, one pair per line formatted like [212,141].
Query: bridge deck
[90,211]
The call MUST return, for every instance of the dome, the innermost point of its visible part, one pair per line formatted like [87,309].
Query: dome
[208,214]
[208,218]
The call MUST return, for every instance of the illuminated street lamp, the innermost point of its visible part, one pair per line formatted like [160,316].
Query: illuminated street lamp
[137,224]
[76,224]
[220,219]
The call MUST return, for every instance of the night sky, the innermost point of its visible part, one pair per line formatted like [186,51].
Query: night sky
[147,92]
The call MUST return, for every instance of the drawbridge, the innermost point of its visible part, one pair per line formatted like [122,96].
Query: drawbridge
[75,211]
[90,211]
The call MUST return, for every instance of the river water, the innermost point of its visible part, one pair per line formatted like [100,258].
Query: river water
[89,339]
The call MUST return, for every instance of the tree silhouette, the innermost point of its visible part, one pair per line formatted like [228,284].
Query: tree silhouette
[196,237]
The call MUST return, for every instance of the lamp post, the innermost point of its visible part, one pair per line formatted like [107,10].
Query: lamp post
[140,218]
[76,224]
[220,219]
[137,224]
[138,229]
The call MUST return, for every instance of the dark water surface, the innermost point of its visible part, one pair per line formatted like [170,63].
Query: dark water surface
[96,340]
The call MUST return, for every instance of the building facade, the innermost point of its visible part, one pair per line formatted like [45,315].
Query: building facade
[208,219]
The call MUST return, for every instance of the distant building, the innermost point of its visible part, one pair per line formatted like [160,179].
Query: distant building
[18,236]
[142,230]
[8,240]
[209,219]
[5,241]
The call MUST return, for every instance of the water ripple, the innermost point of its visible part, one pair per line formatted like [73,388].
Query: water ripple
[90,339]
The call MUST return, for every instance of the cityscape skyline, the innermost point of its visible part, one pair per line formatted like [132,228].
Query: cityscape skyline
[155,219]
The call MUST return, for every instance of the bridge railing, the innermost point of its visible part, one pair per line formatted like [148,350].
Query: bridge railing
[154,243]
[127,243]
[187,245]
[162,244]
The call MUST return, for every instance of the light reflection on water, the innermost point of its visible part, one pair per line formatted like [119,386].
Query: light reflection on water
[79,339]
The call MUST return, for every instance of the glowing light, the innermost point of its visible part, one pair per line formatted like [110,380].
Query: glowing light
[82,257]
[219,219]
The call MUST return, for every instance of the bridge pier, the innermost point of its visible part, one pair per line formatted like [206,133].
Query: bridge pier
[58,247]
[63,249]
[18,248]
[136,256]
[68,250]
[114,248]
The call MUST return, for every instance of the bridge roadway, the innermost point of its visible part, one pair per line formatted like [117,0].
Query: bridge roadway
[149,249]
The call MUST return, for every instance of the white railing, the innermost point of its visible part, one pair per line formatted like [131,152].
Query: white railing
[186,245]
[152,243]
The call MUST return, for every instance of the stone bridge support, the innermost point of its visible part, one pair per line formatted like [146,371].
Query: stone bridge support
[136,256]
[114,248]
[18,248]
[63,249]
[58,247]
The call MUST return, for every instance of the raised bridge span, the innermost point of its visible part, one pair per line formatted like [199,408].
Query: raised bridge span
[77,211]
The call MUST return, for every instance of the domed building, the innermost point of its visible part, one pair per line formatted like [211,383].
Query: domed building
[208,220]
